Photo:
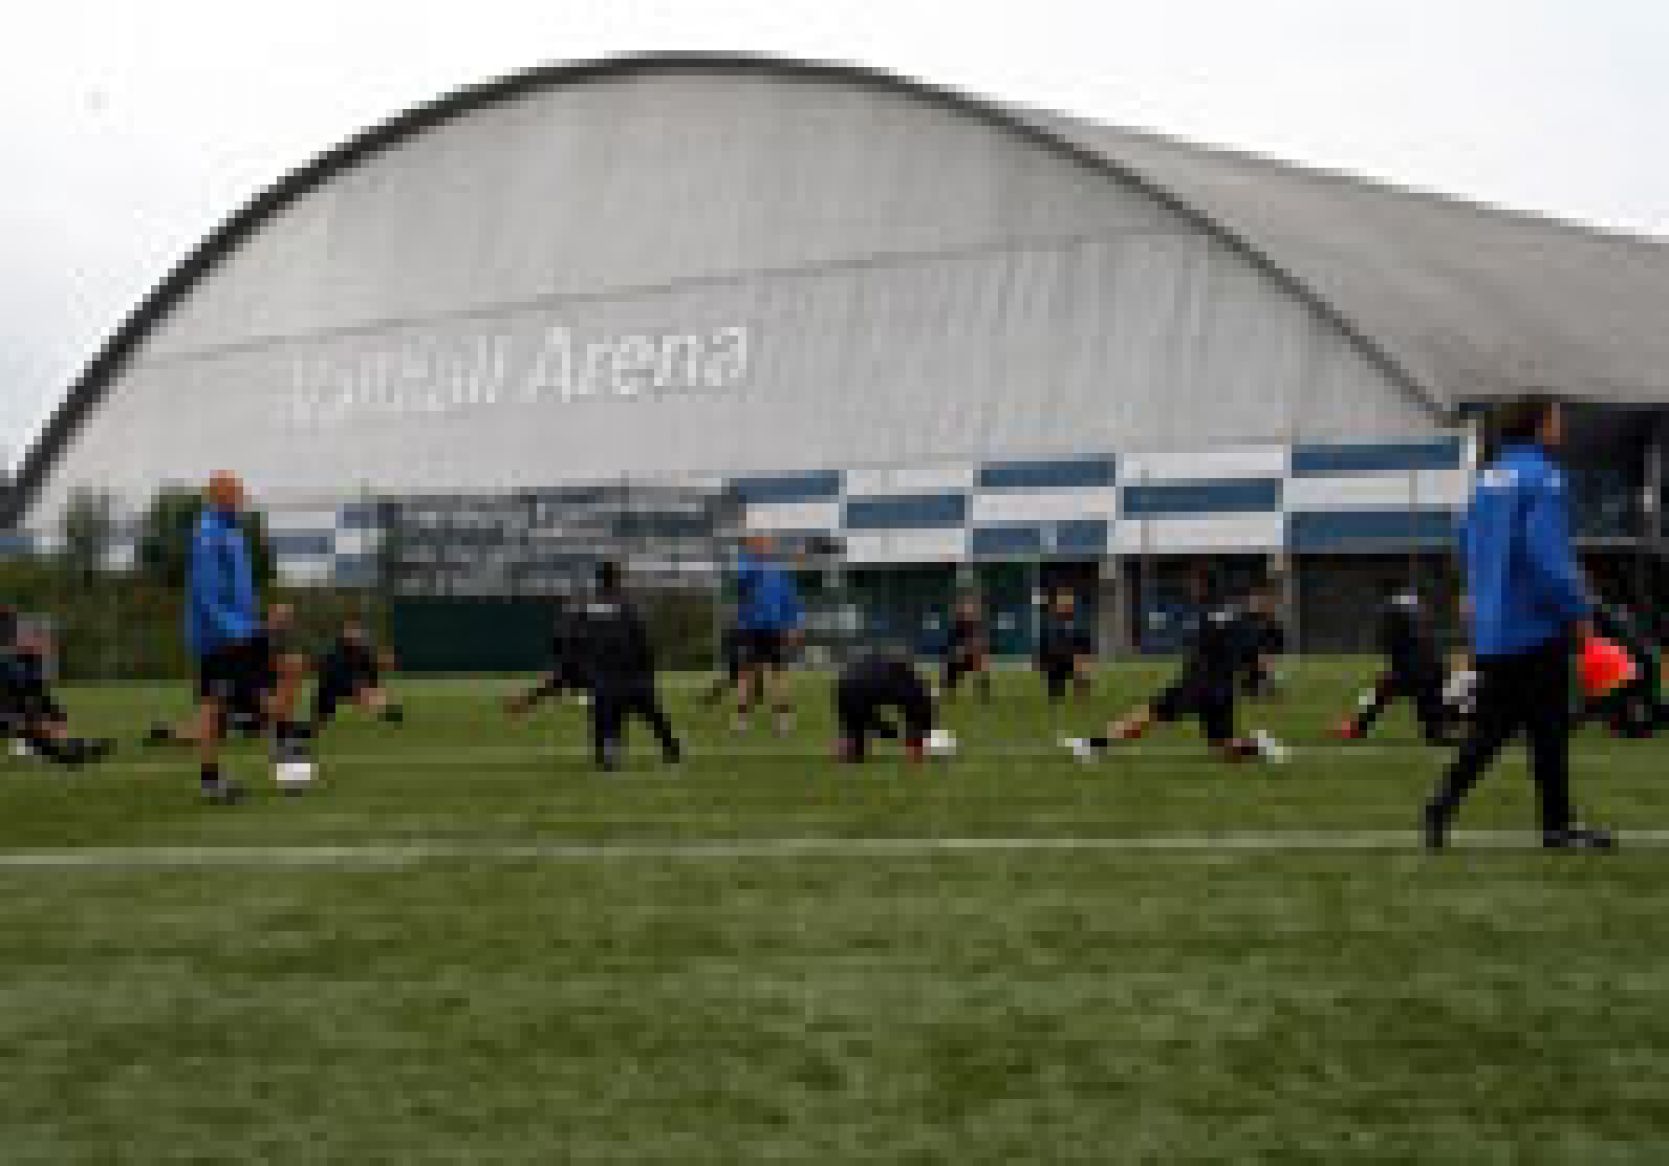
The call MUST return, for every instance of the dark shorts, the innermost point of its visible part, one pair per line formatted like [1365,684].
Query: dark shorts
[236,675]
[762,647]
[348,682]
[1213,705]
[30,705]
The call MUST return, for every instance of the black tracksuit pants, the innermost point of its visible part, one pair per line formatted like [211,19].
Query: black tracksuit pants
[1419,681]
[613,701]
[1529,693]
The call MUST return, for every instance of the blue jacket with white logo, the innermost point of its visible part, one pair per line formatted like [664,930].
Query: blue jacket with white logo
[766,599]
[220,591]
[1521,570]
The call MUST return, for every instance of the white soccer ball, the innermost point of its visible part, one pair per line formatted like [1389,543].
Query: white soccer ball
[293,776]
[940,743]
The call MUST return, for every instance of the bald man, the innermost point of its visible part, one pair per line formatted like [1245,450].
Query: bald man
[223,626]
[768,627]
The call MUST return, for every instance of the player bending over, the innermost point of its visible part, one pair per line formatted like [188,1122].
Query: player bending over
[870,687]
[31,716]
[1205,690]
[969,650]
[351,671]
[612,646]
[1064,652]
[1413,672]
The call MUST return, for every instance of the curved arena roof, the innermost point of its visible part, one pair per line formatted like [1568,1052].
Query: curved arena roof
[1456,301]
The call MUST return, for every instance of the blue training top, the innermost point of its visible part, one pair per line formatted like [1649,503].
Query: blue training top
[1521,571]
[220,592]
[766,598]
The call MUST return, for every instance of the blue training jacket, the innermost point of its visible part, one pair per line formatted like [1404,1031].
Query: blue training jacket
[1521,571]
[220,591]
[766,599]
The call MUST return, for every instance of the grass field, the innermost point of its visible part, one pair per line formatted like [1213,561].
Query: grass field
[466,946]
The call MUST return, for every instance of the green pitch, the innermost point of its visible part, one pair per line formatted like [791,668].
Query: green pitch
[464,946]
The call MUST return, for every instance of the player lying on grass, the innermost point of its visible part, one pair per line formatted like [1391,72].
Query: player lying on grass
[1413,672]
[1205,690]
[30,714]
[878,683]
[1634,708]
[267,689]
[562,676]
[614,654]
[351,671]
[968,651]
[1064,651]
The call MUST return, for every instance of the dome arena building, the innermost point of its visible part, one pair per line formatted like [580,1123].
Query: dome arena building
[957,340]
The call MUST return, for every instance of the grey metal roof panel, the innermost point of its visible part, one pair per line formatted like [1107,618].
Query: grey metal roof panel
[1479,301]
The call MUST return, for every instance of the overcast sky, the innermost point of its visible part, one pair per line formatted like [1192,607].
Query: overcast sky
[128,130]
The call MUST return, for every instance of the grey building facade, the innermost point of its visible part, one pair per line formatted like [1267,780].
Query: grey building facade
[952,336]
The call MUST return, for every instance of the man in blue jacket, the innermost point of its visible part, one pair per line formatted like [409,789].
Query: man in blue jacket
[1529,607]
[223,625]
[768,619]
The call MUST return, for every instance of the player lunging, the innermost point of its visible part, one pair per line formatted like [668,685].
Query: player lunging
[350,671]
[1205,690]
[1413,672]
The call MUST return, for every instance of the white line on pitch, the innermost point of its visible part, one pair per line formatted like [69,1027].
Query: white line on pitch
[372,855]
[971,754]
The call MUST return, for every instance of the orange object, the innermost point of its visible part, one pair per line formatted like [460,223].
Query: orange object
[1603,667]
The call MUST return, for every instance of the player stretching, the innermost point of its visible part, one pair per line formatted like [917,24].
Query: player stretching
[968,653]
[1064,652]
[563,675]
[1205,690]
[352,671]
[612,645]
[869,686]
[768,618]
[28,711]
[1413,672]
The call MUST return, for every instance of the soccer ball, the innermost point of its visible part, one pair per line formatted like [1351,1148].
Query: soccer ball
[940,743]
[293,776]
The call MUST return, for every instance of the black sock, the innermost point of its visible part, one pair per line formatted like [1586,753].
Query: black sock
[51,748]
[1100,742]
[210,776]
